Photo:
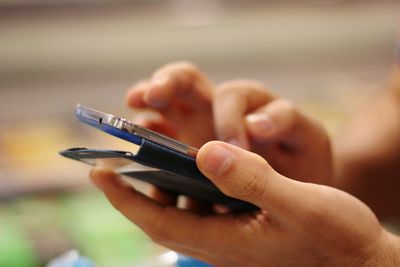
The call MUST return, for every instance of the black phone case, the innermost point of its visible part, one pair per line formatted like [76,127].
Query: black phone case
[176,172]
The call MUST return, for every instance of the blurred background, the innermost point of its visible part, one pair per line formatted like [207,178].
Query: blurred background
[326,55]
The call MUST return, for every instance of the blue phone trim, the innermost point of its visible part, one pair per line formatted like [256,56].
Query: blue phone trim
[111,130]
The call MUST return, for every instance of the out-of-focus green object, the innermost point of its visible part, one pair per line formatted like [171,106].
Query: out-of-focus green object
[36,229]
[15,249]
[103,234]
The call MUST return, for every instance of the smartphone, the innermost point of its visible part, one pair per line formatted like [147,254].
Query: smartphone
[129,131]
[160,160]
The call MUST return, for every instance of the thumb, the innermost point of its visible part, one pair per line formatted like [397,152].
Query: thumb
[244,175]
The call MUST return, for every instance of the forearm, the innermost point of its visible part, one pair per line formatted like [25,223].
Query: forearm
[367,152]
[394,82]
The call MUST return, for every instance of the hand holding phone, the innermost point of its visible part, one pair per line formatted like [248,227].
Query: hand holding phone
[160,160]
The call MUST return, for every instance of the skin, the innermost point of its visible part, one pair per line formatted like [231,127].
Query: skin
[299,223]
[242,112]
[367,152]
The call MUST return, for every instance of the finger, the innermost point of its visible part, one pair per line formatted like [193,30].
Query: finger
[182,80]
[232,101]
[196,206]
[247,176]
[135,95]
[156,122]
[161,223]
[164,197]
[280,120]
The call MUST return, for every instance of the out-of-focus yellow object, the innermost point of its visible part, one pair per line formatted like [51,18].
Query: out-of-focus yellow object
[29,160]
[32,145]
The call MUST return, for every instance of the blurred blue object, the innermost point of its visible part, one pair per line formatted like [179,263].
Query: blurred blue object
[71,259]
[184,261]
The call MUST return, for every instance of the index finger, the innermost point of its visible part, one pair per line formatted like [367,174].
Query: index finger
[232,101]
[181,79]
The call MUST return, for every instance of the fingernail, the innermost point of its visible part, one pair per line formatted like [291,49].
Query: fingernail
[218,159]
[262,121]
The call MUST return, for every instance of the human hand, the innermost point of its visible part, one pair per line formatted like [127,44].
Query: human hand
[247,114]
[180,98]
[241,112]
[299,224]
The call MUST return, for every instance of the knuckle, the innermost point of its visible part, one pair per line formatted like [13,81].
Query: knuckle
[240,85]
[179,66]
[254,188]
[323,134]
[224,87]
[287,106]
[288,113]
[183,74]
[250,91]
[229,88]
[187,68]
